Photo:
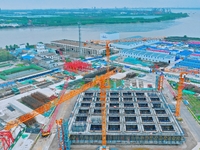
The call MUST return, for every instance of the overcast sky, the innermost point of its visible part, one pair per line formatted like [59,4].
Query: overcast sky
[37,4]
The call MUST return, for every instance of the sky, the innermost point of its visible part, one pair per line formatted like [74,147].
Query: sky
[45,4]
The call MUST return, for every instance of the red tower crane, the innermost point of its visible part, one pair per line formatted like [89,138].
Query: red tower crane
[47,131]
[6,138]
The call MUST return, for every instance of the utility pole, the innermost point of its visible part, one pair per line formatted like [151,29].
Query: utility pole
[79,31]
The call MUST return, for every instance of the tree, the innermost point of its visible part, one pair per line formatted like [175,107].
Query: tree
[7,47]
[11,47]
[27,45]
[15,46]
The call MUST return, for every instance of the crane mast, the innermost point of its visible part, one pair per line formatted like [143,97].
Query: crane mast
[180,93]
[160,83]
[104,86]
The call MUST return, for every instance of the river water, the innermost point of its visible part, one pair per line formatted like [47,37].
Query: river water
[189,26]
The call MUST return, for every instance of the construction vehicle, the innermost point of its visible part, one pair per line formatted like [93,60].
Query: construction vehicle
[47,132]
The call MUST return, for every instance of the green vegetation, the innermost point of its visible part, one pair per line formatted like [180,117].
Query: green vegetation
[5,55]
[181,39]
[115,83]
[5,65]
[18,69]
[194,104]
[20,65]
[87,18]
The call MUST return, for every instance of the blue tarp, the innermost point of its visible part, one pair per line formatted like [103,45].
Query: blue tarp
[27,57]
[184,53]
[93,58]
[7,84]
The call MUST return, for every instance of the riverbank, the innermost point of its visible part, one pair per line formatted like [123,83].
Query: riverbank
[85,19]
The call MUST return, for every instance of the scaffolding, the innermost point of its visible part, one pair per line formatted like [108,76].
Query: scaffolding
[133,117]
[63,135]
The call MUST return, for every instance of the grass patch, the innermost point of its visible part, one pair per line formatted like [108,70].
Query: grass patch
[5,65]
[4,73]
[194,104]
[114,84]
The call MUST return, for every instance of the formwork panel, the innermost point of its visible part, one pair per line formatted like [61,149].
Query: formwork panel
[127,99]
[160,111]
[81,118]
[163,119]
[147,119]
[114,93]
[114,99]
[97,111]
[114,119]
[145,111]
[83,111]
[143,105]
[129,104]
[131,128]
[139,93]
[114,127]
[113,111]
[130,119]
[167,128]
[97,104]
[129,111]
[149,127]
[128,94]
[157,105]
[94,127]
[141,99]
[87,99]
[114,104]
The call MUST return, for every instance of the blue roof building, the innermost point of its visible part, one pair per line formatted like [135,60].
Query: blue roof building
[189,63]
[147,55]
[184,53]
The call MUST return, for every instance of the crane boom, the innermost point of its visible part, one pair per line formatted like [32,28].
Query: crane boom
[56,102]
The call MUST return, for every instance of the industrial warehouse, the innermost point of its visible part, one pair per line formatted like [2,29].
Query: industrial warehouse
[140,117]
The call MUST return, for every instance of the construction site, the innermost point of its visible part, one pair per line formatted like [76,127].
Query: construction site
[96,101]
[133,117]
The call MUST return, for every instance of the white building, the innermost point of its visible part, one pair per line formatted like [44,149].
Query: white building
[53,56]
[22,46]
[109,36]
[40,48]
[146,55]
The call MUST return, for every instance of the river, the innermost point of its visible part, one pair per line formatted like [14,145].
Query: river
[189,26]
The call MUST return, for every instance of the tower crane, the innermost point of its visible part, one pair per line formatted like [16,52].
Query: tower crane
[57,101]
[180,88]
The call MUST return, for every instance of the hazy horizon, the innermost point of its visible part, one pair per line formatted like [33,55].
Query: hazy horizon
[76,4]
